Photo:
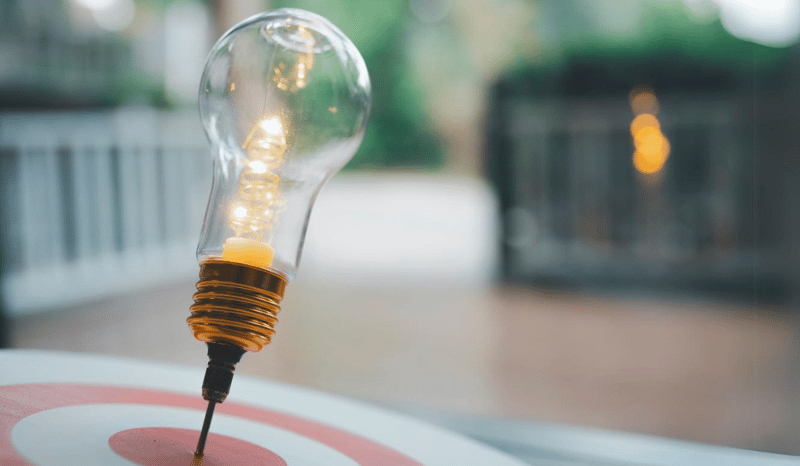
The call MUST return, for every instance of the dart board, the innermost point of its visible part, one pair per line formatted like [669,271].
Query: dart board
[69,409]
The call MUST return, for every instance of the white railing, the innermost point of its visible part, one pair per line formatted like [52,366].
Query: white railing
[98,203]
[106,203]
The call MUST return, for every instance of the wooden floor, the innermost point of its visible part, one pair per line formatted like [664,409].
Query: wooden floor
[706,371]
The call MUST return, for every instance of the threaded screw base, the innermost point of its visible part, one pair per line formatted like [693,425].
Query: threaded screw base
[236,304]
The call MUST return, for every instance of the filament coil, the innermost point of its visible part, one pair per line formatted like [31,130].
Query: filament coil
[254,214]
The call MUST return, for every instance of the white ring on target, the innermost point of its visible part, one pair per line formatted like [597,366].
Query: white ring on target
[52,438]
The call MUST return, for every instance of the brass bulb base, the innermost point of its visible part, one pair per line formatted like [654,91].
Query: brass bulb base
[236,304]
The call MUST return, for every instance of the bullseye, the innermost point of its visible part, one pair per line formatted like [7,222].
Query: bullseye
[82,434]
[79,410]
[165,446]
[90,425]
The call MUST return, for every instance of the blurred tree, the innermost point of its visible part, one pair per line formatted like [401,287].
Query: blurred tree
[399,133]
[609,32]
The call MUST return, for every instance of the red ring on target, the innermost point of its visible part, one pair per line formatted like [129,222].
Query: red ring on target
[160,446]
[20,401]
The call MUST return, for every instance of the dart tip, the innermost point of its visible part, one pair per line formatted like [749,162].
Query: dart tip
[201,442]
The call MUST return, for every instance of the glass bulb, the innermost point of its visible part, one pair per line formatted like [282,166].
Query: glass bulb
[284,100]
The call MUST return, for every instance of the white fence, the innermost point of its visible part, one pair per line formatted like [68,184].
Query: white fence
[98,203]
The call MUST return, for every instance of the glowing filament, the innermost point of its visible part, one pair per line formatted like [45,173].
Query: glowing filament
[297,77]
[253,215]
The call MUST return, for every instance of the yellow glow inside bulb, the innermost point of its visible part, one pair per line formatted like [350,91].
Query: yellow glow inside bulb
[258,167]
[272,126]
[248,251]
[255,212]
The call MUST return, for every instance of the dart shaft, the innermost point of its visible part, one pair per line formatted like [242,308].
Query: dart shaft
[201,443]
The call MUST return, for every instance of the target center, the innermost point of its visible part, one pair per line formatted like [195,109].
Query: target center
[167,446]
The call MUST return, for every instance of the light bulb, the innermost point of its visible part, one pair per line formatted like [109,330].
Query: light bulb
[284,99]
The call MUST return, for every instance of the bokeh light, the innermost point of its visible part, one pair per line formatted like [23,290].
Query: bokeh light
[643,100]
[643,121]
[652,147]
[652,157]
[774,23]
[649,141]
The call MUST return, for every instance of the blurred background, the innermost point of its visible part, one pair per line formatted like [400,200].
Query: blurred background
[574,212]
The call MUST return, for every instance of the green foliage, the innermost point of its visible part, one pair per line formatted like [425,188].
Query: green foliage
[398,134]
[664,29]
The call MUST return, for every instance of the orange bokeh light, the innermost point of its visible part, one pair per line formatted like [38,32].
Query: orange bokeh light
[642,121]
[645,165]
[652,147]
[652,150]
[649,141]
[643,100]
